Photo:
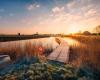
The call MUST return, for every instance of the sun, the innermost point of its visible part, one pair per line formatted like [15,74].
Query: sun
[73,28]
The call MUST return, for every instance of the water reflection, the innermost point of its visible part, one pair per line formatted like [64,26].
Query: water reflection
[45,42]
[71,42]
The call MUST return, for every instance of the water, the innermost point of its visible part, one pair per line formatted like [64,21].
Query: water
[45,42]
[48,43]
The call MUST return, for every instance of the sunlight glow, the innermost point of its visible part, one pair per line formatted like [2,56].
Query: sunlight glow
[73,28]
[71,41]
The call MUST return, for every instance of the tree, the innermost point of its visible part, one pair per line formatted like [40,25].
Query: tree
[86,33]
[19,34]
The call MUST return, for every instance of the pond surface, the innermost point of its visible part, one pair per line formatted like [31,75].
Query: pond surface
[45,42]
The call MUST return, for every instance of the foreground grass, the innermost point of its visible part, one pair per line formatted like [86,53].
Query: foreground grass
[34,69]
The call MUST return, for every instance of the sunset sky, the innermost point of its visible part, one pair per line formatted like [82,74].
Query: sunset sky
[48,16]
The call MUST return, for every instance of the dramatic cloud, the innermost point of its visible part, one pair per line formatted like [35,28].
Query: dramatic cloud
[74,16]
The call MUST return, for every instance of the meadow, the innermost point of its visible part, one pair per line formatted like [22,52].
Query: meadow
[29,62]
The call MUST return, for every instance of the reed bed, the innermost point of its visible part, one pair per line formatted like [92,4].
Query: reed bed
[17,50]
[86,52]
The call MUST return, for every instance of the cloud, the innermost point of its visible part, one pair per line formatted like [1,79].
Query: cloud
[33,6]
[78,14]
[71,5]
[85,8]
[91,12]
[75,4]
[61,22]
[57,9]
[38,6]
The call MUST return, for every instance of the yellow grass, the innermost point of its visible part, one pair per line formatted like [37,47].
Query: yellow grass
[17,51]
[86,52]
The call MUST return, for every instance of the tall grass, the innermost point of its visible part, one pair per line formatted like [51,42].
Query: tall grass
[28,50]
[86,52]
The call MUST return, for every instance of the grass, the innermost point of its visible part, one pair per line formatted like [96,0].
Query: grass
[83,63]
[86,52]
[17,50]
[36,70]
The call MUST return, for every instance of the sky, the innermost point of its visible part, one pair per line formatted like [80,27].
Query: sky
[48,16]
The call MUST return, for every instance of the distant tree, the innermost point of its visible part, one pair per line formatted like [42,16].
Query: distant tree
[36,33]
[97,29]
[19,34]
[86,33]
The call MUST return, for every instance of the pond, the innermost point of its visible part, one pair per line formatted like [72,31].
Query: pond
[46,42]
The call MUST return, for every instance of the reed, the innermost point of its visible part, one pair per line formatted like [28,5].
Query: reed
[87,52]
[28,50]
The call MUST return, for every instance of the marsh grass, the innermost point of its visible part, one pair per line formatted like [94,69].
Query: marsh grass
[87,52]
[17,51]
